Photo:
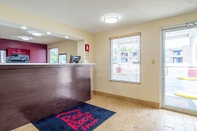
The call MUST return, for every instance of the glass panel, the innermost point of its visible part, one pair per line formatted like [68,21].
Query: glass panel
[181,88]
[196,51]
[53,55]
[180,79]
[177,49]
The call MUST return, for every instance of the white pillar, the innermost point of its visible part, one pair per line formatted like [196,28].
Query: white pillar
[81,52]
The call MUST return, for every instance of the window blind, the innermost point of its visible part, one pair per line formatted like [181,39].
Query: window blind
[125,58]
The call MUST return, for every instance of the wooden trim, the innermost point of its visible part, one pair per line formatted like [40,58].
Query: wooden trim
[62,53]
[133,100]
[137,83]
[53,47]
[92,94]
[123,36]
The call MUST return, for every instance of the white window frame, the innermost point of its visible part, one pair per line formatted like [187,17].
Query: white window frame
[111,58]
[59,57]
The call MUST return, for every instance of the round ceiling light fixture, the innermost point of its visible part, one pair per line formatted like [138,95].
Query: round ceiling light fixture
[25,37]
[111,18]
[66,37]
[36,33]
[48,33]
[23,27]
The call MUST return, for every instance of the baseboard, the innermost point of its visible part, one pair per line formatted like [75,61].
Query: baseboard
[137,101]
[92,93]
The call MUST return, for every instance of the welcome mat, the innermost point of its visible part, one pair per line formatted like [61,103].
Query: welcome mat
[84,117]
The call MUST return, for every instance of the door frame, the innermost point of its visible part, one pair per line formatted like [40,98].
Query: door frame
[162,67]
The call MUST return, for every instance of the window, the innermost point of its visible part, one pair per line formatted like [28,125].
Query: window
[62,58]
[2,56]
[134,53]
[53,55]
[125,58]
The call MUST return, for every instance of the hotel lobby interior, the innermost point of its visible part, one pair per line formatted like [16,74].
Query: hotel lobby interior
[102,65]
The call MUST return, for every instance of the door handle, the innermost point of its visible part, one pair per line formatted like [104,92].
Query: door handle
[166,71]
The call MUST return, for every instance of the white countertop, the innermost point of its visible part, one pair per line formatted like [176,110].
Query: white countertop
[68,64]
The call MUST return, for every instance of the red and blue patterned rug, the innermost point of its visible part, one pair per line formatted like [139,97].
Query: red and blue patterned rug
[84,117]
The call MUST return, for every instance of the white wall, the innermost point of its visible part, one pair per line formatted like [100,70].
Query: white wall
[68,46]
[80,50]
[149,89]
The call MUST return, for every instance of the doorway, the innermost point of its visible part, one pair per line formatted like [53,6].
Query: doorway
[179,62]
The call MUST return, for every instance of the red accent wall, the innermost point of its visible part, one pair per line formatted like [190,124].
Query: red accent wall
[38,52]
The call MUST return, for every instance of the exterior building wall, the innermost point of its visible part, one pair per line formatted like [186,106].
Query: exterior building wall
[185,54]
[196,53]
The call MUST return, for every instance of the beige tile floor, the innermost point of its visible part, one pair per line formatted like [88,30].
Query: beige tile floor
[133,117]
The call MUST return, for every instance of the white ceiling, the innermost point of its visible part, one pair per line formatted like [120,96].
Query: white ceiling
[88,14]
[9,30]
[13,33]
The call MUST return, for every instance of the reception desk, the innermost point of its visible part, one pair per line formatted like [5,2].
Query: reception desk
[30,92]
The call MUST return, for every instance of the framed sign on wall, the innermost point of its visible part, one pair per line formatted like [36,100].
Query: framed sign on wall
[18,51]
[87,49]
[18,55]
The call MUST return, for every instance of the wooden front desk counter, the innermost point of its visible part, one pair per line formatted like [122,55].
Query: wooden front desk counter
[30,92]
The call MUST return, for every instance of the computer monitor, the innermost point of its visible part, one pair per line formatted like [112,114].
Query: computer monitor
[75,59]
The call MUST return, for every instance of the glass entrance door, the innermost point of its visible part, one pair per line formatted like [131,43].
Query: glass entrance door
[180,69]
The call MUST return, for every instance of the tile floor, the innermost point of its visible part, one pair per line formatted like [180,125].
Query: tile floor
[133,117]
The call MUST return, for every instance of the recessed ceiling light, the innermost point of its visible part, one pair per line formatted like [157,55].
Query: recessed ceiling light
[25,37]
[66,37]
[23,27]
[36,33]
[111,18]
[48,33]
